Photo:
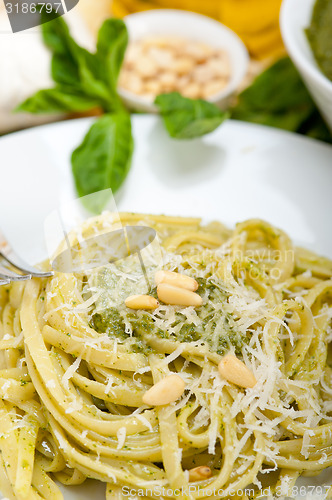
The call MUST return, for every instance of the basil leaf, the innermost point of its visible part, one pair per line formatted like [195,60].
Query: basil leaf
[56,36]
[316,128]
[75,66]
[91,81]
[103,159]
[279,98]
[188,118]
[111,46]
[279,88]
[276,98]
[64,71]
[58,99]
[290,120]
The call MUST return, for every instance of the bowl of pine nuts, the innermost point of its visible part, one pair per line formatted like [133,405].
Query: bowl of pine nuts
[179,51]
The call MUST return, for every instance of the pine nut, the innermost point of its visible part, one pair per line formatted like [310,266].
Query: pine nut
[233,370]
[214,87]
[165,391]
[145,67]
[152,87]
[130,81]
[141,302]
[182,82]
[176,296]
[192,90]
[219,68]
[161,57]
[183,65]
[179,64]
[133,52]
[167,79]
[176,279]
[199,473]
[202,74]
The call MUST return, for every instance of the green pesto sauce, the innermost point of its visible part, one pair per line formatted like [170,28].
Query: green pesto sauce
[217,328]
[319,34]
[110,322]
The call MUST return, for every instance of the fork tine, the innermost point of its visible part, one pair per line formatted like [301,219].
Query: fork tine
[7,274]
[19,264]
[7,253]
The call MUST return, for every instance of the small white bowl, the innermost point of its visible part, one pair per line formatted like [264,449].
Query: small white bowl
[193,26]
[295,16]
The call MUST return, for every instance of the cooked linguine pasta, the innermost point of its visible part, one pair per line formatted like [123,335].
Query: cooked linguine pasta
[76,363]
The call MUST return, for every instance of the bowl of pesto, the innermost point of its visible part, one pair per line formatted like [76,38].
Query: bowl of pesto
[306,27]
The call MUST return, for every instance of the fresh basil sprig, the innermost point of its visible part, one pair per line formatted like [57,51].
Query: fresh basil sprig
[84,81]
[187,118]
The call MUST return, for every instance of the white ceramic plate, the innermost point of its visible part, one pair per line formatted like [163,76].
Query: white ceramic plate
[239,171]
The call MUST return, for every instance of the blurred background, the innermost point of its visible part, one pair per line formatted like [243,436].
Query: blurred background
[25,62]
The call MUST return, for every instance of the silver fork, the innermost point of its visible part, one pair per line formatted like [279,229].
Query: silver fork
[9,257]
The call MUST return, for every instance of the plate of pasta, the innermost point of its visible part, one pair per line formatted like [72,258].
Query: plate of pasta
[197,365]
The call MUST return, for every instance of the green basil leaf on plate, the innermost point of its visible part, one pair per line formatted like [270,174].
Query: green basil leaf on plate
[103,159]
[57,100]
[188,118]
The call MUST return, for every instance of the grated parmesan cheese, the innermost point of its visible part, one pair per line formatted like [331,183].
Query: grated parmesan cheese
[121,435]
[70,372]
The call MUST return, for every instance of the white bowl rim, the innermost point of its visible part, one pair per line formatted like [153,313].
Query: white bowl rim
[296,52]
[225,92]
